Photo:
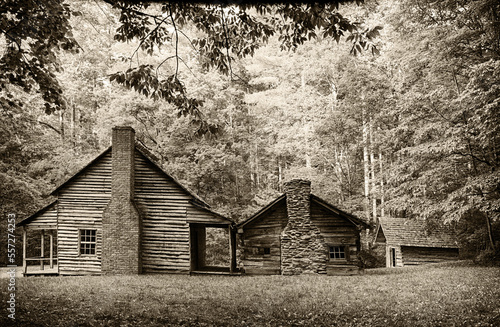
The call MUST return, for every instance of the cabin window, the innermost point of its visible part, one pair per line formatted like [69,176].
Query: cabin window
[337,253]
[88,241]
[264,251]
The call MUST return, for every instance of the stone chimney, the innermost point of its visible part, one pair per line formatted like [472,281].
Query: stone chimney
[303,249]
[121,223]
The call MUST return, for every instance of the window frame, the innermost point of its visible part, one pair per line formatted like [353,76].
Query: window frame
[344,248]
[89,243]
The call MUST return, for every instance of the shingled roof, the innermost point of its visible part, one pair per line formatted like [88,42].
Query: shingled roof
[413,232]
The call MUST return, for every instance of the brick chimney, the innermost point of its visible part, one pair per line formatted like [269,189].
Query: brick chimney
[303,249]
[121,223]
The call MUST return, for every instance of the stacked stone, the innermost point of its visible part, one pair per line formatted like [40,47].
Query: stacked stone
[303,249]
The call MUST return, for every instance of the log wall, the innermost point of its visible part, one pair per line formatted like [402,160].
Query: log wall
[47,219]
[337,231]
[263,233]
[394,256]
[165,230]
[413,255]
[164,206]
[81,203]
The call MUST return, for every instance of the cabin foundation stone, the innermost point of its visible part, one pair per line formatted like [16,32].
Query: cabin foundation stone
[121,223]
[303,249]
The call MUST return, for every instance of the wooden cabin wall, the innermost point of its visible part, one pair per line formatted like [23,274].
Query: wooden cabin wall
[45,220]
[337,231]
[398,256]
[165,233]
[81,204]
[413,255]
[198,215]
[262,233]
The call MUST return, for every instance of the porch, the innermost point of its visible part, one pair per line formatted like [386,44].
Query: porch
[45,263]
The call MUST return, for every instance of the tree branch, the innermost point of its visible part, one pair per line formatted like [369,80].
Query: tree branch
[176,40]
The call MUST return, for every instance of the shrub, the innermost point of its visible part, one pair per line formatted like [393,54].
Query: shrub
[370,259]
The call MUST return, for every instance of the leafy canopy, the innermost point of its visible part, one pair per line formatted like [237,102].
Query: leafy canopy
[35,32]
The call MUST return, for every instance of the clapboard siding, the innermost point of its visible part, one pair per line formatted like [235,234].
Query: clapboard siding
[81,204]
[164,206]
[337,231]
[261,233]
[45,219]
[165,229]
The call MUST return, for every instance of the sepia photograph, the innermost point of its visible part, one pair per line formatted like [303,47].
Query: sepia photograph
[250,164]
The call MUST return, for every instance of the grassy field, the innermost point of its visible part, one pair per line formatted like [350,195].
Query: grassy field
[451,295]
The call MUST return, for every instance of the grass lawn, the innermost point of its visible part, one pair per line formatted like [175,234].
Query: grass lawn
[442,295]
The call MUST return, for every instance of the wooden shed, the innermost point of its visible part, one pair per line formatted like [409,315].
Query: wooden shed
[408,242]
[299,233]
[123,214]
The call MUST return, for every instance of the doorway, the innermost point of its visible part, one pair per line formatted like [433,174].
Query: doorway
[393,257]
[211,248]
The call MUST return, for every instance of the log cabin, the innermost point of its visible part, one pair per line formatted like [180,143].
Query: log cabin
[123,214]
[408,242]
[299,232]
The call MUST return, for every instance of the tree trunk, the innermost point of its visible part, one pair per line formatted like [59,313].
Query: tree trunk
[490,233]
[257,180]
[73,124]
[61,124]
[381,174]
[366,165]
[280,176]
[372,168]
[339,173]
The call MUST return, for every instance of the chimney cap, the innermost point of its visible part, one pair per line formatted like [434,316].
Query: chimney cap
[123,128]
[298,181]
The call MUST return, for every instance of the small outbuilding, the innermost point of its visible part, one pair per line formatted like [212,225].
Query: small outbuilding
[123,214]
[299,233]
[408,242]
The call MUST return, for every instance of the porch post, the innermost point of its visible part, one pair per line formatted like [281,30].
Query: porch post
[42,248]
[24,250]
[51,236]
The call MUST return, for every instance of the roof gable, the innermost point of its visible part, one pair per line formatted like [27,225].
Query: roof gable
[81,171]
[353,219]
[153,160]
[262,211]
[413,232]
[325,205]
[148,156]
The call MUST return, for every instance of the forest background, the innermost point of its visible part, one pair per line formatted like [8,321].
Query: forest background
[403,122]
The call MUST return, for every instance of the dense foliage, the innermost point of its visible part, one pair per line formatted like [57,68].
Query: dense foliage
[237,98]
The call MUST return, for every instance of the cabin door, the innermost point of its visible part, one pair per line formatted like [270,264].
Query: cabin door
[393,257]
[198,244]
